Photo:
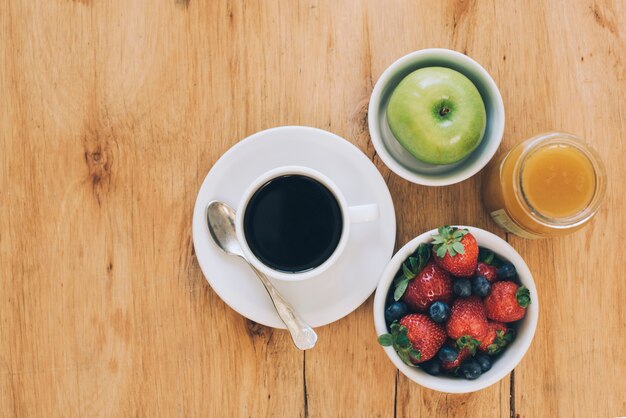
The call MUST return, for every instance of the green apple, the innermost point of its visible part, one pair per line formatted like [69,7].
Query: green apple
[437,115]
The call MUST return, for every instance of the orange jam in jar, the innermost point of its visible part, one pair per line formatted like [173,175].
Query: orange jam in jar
[548,185]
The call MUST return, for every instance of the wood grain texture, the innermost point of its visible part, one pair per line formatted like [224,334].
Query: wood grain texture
[113,113]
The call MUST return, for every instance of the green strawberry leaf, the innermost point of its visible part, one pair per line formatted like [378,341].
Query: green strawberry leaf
[400,288]
[510,335]
[493,349]
[458,247]
[385,340]
[406,271]
[485,255]
[448,240]
[401,344]
[468,342]
[503,338]
[404,356]
[523,297]
[437,239]
[459,233]
[415,354]
[423,255]
[410,268]
[402,340]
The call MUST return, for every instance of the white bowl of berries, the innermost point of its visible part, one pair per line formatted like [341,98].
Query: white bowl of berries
[456,309]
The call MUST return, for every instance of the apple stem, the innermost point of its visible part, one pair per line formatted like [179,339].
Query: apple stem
[444,111]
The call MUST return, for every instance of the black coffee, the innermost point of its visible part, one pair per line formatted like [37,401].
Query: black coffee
[293,223]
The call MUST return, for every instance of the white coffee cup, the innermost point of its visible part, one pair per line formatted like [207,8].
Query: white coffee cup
[350,215]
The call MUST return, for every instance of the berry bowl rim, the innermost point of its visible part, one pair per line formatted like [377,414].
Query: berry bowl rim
[507,361]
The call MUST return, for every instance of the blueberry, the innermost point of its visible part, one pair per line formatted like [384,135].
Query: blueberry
[481,286]
[471,369]
[506,271]
[462,288]
[396,311]
[448,354]
[439,311]
[432,367]
[483,360]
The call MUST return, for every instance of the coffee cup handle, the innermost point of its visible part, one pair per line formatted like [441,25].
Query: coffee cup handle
[363,213]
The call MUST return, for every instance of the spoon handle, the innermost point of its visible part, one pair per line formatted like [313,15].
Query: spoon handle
[302,334]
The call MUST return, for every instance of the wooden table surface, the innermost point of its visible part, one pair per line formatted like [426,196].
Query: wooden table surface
[112,114]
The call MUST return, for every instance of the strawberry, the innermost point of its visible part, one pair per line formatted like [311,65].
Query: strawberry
[507,302]
[464,354]
[456,251]
[486,270]
[467,319]
[497,337]
[425,335]
[430,285]
[416,338]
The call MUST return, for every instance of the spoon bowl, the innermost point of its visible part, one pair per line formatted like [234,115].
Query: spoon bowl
[221,221]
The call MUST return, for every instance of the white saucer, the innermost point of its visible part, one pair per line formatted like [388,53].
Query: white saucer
[347,284]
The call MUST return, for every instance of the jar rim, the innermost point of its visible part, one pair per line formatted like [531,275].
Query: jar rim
[560,138]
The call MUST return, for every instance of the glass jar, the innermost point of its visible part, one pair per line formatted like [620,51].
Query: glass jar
[549,185]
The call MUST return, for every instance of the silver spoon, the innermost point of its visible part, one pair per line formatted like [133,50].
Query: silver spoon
[221,221]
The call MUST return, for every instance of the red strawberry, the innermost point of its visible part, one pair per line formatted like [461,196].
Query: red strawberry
[487,270]
[467,318]
[425,336]
[456,251]
[416,338]
[431,284]
[464,354]
[507,302]
[497,337]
